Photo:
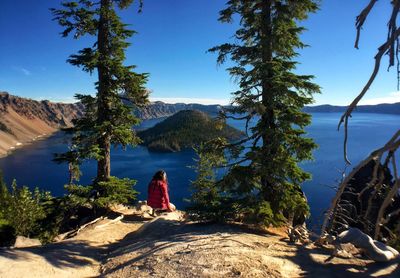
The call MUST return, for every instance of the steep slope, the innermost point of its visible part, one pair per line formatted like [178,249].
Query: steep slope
[186,129]
[23,120]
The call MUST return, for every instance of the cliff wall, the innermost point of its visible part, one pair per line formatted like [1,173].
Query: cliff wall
[24,120]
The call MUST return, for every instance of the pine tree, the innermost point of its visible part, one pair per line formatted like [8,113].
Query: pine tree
[108,118]
[205,200]
[264,182]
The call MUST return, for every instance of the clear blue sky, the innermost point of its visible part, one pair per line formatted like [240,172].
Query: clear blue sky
[173,38]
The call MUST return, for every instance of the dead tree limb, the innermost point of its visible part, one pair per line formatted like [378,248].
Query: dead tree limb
[347,114]
[390,47]
[361,19]
[388,199]
[391,145]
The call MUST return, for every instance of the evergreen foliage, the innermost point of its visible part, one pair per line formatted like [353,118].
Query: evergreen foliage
[4,196]
[103,194]
[186,129]
[34,214]
[23,209]
[6,231]
[108,118]
[206,200]
[264,182]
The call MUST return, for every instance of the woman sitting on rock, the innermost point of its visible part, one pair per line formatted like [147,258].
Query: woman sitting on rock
[158,197]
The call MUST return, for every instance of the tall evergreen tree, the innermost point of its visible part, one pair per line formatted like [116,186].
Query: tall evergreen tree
[108,118]
[264,182]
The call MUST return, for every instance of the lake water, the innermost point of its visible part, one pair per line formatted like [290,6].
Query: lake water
[33,166]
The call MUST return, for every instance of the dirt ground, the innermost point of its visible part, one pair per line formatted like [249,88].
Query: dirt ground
[168,247]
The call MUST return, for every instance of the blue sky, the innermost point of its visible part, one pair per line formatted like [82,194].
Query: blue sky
[173,38]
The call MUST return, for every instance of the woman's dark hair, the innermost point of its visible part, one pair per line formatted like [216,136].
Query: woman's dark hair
[159,175]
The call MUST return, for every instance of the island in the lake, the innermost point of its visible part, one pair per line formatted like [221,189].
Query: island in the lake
[186,129]
[24,120]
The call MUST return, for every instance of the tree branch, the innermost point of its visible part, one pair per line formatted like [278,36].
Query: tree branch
[392,144]
[345,117]
[361,19]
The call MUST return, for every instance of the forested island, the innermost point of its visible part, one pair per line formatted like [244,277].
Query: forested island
[186,129]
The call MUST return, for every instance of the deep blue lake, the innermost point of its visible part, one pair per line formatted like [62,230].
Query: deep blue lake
[33,166]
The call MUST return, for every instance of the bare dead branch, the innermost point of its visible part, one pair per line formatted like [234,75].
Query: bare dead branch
[385,204]
[391,28]
[347,114]
[361,19]
[391,145]
[390,215]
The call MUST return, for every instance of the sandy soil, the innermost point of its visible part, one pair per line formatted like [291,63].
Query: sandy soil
[168,247]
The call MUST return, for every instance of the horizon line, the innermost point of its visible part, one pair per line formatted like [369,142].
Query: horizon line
[210,101]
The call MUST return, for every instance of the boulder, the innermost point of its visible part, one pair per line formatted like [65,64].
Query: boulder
[142,207]
[22,242]
[374,249]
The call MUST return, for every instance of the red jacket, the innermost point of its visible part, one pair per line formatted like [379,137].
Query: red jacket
[157,197]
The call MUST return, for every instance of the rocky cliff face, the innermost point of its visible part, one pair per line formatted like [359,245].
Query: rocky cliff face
[23,120]
[54,114]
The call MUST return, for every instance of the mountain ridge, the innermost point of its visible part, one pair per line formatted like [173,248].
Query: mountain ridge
[160,109]
[24,120]
[382,108]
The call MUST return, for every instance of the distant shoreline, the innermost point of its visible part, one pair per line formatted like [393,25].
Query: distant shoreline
[21,145]
[385,108]
[309,109]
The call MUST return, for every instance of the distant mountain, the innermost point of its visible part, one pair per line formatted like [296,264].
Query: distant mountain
[160,109]
[23,120]
[185,129]
[393,108]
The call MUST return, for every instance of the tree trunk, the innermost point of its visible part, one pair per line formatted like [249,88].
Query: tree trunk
[267,118]
[103,103]
[104,164]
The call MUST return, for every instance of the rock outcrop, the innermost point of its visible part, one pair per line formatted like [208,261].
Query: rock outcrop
[168,246]
[23,242]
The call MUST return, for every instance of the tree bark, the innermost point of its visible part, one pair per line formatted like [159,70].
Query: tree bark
[103,104]
[267,118]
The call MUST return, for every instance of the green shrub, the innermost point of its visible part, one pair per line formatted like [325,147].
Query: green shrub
[38,214]
[6,231]
[103,194]
[23,209]
[26,213]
